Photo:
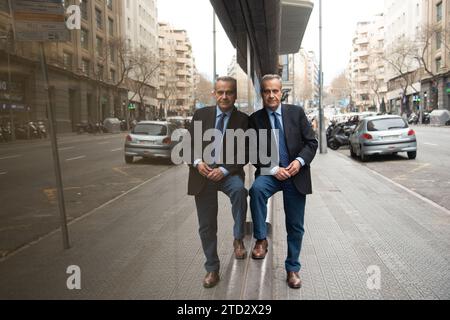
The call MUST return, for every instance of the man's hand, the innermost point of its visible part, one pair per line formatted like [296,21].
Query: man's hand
[204,169]
[294,168]
[282,174]
[216,175]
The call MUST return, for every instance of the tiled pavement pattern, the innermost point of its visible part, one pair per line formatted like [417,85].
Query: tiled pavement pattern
[145,245]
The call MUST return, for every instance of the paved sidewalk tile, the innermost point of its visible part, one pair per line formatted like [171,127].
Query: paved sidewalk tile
[356,220]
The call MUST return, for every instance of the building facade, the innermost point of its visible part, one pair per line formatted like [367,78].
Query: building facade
[176,94]
[301,78]
[83,71]
[436,84]
[403,23]
[367,66]
[235,71]
[140,24]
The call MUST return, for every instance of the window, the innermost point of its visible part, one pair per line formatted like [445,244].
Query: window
[99,47]
[113,75]
[109,3]
[111,27]
[84,9]
[67,60]
[84,39]
[438,64]
[439,12]
[99,18]
[438,40]
[100,71]
[85,64]
[4,6]
[112,54]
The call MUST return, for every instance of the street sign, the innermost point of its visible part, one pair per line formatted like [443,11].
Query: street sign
[39,20]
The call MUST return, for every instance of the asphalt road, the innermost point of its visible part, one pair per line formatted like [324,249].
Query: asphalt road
[429,174]
[93,171]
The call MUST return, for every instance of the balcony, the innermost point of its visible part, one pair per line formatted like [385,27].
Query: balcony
[362,41]
[182,48]
[182,60]
[182,84]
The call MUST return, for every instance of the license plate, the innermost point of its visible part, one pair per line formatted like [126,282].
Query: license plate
[391,137]
[147,142]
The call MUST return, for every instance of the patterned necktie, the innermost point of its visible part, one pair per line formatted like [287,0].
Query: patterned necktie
[284,154]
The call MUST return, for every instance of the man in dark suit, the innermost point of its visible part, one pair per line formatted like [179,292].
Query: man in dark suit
[297,147]
[208,176]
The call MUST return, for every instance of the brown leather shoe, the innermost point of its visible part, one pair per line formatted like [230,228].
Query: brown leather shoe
[293,280]
[239,250]
[260,250]
[211,279]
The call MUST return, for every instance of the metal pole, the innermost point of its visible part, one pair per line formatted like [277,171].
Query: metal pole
[214,48]
[322,136]
[293,79]
[56,163]
[11,112]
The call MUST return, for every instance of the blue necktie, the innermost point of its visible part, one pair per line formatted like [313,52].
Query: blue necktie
[284,154]
[221,128]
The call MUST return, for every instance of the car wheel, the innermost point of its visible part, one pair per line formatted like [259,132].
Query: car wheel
[412,155]
[364,158]
[352,152]
[129,159]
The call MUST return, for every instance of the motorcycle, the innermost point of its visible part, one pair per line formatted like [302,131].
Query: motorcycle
[340,135]
[413,119]
[42,130]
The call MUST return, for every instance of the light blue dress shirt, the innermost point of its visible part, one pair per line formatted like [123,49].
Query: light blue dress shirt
[279,114]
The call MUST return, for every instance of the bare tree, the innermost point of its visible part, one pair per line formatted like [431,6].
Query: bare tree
[204,90]
[141,77]
[401,59]
[168,85]
[340,87]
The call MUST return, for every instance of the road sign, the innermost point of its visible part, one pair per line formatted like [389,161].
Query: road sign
[39,20]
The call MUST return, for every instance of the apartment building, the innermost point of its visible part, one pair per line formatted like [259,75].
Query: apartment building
[141,31]
[83,71]
[367,66]
[403,23]
[177,71]
[301,78]
[235,71]
[436,84]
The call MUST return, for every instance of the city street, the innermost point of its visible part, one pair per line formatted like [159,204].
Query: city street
[429,174]
[93,170]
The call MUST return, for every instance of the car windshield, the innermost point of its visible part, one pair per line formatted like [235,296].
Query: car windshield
[386,124]
[151,129]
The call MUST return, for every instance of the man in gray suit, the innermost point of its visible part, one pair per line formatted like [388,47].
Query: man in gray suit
[207,178]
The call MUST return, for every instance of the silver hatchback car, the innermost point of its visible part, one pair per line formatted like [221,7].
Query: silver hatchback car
[150,139]
[383,135]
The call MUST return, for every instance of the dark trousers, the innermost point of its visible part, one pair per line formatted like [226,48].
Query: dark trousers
[207,209]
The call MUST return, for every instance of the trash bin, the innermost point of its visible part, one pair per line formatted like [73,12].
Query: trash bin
[112,125]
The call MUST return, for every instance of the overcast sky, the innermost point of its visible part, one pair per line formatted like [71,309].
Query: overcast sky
[339,22]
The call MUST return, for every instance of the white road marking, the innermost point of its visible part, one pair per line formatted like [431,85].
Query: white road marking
[431,144]
[76,158]
[115,150]
[11,157]
[66,148]
[105,142]
[3,173]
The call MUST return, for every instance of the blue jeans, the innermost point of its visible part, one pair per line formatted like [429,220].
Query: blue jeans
[265,187]
[207,209]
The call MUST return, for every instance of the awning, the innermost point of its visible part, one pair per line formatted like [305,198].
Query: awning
[273,27]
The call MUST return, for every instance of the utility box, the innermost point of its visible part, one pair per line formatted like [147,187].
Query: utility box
[112,125]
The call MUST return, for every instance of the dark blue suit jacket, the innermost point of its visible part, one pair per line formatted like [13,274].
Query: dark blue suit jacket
[300,139]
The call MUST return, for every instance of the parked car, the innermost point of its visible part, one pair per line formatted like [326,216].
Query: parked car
[150,139]
[383,135]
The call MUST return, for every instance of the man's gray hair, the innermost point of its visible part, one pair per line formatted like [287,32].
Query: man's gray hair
[232,80]
[269,77]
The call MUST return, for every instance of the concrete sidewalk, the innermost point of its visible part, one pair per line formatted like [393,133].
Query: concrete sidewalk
[145,245]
